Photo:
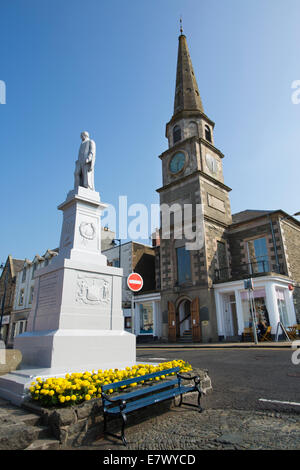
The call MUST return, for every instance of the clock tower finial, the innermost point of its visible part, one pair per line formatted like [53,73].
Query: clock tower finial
[181,30]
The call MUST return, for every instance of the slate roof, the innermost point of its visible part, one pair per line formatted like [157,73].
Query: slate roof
[248,214]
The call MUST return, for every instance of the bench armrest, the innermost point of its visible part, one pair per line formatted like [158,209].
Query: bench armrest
[196,378]
[117,401]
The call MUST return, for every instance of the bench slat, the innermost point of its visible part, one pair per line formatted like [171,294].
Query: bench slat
[139,379]
[143,391]
[151,399]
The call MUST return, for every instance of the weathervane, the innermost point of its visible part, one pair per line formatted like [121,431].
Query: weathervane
[181,30]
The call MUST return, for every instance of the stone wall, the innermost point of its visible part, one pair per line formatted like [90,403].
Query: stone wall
[238,237]
[291,241]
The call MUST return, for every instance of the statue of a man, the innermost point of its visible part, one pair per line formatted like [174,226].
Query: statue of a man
[84,170]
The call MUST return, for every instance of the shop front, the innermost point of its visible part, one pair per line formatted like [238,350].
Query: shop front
[147,316]
[273,302]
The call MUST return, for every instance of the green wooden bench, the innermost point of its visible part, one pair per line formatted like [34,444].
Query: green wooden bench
[147,395]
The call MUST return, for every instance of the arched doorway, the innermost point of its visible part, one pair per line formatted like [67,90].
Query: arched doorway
[184,320]
[184,323]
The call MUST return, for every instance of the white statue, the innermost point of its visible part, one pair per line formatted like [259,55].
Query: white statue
[84,170]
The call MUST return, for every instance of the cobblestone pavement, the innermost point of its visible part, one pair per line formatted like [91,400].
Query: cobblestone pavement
[186,429]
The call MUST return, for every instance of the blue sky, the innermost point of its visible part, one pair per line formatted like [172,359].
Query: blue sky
[109,68]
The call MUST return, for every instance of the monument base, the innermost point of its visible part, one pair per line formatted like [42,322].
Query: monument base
[71,351]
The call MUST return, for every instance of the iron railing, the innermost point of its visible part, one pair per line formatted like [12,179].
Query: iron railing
[259,268]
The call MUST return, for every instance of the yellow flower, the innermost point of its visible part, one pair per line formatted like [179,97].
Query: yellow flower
[87,397]
[73,397]
[62,399]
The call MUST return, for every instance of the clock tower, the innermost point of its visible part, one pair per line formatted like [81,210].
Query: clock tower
[192,174]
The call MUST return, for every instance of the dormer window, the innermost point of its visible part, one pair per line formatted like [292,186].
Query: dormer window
[207,133]
[176,134]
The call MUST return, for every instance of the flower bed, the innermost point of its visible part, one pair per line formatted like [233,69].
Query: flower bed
[77,388]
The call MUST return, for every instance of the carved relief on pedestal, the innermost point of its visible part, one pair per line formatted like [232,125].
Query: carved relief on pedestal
[87,231]
[92,289]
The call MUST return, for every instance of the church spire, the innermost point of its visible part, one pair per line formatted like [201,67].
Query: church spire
[187,96]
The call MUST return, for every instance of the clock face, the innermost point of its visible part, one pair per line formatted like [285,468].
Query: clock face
[177,162]
[211,163]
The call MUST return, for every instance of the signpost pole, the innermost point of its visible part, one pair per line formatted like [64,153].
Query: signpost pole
[132,314]
[248,284]
[135,283]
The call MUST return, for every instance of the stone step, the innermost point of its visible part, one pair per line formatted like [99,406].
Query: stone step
[187,339]
[16,416]
[44,444]
[19,435]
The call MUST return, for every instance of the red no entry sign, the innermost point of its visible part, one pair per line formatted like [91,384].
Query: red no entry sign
[135,282]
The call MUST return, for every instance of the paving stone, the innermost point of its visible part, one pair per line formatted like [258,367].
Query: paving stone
[44,444]
[187,429]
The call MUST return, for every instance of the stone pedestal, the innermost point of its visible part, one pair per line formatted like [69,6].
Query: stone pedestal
[76,322]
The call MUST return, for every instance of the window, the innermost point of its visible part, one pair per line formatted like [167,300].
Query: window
[207,133]
[176,134]
[258,255]
[284,318]
[116,262]
[127,323]
[19,327]
[24,275]
[31,294]
[260,307]
[221,253]
[183,265]
[222,260]
[21,297]
[146,318]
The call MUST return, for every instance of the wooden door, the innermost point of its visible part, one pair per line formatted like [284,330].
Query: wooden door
[172,322]
[195,316]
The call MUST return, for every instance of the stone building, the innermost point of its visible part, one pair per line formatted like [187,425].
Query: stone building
[263,245]
[7,292]
[139,258]
[202,295]
[24,292]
